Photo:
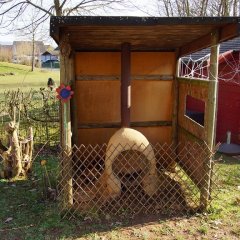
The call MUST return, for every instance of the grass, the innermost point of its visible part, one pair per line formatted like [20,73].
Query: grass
[33,218]
[23,78]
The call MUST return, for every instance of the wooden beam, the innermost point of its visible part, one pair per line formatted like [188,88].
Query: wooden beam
[194,81]
[226,32]
[73,102]
[200,43]
[175,102]
[229,31]
[212,92]
[118,124]
[125,84]
[118,77]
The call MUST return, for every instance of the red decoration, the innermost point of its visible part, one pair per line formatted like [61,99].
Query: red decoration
[64,93]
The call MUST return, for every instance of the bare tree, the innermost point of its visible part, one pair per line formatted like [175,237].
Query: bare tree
[33,32]
[187,8]
[13,10]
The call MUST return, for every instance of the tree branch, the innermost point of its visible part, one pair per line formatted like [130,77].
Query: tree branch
[39,7]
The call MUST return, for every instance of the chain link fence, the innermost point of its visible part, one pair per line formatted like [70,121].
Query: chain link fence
[103,181]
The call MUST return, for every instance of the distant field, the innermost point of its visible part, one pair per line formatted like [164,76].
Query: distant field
[23,78]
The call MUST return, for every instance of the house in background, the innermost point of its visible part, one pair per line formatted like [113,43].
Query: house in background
[22,51]
[50,59]
[49,55]
[228,117]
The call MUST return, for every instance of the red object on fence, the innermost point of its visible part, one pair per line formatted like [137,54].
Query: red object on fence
[64,93]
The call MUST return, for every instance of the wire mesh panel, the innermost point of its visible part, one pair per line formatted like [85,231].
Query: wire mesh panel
[119,180]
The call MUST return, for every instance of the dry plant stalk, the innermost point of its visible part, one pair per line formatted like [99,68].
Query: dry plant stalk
[17,156]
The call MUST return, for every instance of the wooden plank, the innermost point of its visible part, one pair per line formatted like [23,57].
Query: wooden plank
[118,124]
[102,135]
[151,101]
[118,77]
[98,101]
[125,84]
[194,81]
[189,159]
[190,135]
[156,134]
[98,63]
[153,63]
[197,91]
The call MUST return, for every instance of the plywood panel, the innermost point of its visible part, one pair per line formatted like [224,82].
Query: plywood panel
[191,158]
[109,63]
[98,63]
[151,101]
[197,91]
[156,134]
[162,63]
[95,135]
[98,101]
[102,135]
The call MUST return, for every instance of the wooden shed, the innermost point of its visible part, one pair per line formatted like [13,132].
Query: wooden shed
[124,74]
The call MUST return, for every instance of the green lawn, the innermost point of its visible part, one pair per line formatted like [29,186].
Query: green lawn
[24,215]
[23,78]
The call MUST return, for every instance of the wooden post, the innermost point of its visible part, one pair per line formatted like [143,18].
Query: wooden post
[212,92]
[175,103]
[175,110]
[211,119]
[66,133]
[125,84]
[73,102]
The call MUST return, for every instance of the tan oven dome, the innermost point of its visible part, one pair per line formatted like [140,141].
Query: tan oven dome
[129,139]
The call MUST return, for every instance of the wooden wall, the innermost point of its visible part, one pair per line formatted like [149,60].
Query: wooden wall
[97,95]
[190,132]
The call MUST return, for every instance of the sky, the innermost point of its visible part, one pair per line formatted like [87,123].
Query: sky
[142,8]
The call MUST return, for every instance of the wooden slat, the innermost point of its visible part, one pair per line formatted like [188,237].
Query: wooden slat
[117,77]
[118,125]
[193,81]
